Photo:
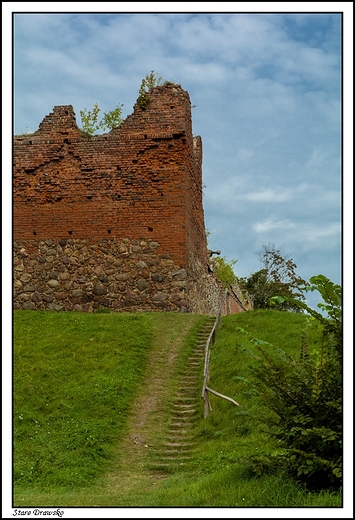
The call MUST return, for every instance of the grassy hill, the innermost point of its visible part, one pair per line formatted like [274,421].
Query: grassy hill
[94,402]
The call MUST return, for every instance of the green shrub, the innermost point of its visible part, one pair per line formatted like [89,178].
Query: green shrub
[150,81]
[305,396]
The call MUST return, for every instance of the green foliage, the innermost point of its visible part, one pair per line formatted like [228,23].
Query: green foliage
[331,305]
[110,120]
[223,269]
[150,81]
[278,277]
[305,395]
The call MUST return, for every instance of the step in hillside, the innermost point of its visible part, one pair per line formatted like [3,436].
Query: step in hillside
[179,442]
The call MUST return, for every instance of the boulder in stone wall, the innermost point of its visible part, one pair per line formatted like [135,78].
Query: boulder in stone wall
[25,277]
[122,277]
[61,296]
[54,307]
[53,283]
[98,270]
[99,290]
[142,285]
[64,276]
[157,278]
[180,274]
[29,306]
[36,297]
[29,288]
[159,297]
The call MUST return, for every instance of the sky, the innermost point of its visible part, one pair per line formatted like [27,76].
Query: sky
[266,88]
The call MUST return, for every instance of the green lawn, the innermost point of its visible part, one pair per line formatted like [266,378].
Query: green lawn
[76,378]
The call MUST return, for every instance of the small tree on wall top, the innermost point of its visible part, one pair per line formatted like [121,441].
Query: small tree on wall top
[110,120]
[150,81]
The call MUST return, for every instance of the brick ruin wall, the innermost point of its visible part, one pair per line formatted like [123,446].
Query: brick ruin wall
[116,220]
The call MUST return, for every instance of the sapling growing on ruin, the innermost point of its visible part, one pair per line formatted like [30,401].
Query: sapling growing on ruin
[91,123]
[150,81]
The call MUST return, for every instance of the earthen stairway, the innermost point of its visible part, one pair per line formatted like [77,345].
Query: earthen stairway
[179,442]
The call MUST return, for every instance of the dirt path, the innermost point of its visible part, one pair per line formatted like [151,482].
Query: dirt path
[147,424]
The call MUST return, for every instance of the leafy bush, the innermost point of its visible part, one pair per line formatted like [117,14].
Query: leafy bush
[223,269]
[150,81]
[305,396]
[110,120]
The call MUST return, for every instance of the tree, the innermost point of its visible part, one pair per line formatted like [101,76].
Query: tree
[278,277]
[150,81]
[110,120]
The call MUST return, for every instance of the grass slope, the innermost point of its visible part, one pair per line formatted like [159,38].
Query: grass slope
[75,377]
[84,382]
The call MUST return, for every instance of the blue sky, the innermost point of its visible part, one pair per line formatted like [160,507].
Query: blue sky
[267,94]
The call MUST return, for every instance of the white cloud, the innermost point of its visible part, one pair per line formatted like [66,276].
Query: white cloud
[269,195]
[272,223]
[299,236]
[317,235]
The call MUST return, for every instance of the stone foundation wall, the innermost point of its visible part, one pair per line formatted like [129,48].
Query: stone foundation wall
[120,275]
[83,275]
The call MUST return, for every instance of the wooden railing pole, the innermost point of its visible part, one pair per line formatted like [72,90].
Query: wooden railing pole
[204,395]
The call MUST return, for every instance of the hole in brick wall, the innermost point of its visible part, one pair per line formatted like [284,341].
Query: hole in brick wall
[30,142]
[145,136]
[109,231]
[66,141]
[66,112]
[161,194]
[134,161]
[172,106]
[35,233]
[89,197]
[150,229]
[70,232]
[118,168]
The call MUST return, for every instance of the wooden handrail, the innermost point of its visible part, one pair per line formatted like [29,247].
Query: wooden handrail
[205,388]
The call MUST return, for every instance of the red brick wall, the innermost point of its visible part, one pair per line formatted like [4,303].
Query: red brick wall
[142,181]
